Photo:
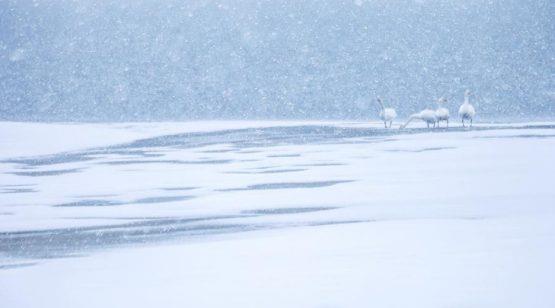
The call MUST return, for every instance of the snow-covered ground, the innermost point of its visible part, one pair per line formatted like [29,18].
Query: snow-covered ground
[276,214]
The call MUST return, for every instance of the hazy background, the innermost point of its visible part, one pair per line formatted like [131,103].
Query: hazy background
[173,60]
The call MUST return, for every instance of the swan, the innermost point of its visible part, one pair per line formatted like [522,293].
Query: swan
[386,114]
[466,111]
[442,113]
[426,115]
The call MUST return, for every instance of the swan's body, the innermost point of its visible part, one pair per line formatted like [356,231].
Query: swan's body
[442,113]
[386,114]
[466,111]
[426,115]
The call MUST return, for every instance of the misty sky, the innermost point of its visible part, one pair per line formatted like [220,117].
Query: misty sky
[175,60]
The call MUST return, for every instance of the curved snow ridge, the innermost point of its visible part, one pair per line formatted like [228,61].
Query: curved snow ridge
[21,139]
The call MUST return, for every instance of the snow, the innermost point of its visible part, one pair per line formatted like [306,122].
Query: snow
[399,263]
[28,139]
[290,214]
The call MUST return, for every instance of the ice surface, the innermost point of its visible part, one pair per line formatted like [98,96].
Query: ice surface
[276,214]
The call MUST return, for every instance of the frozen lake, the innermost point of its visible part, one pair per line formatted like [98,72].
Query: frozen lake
[284,214]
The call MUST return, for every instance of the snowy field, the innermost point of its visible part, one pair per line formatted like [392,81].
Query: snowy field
[276,214]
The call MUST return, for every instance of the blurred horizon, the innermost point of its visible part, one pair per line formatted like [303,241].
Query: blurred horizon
[149,60]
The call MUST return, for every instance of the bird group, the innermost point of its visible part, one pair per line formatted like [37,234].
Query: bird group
[430,116]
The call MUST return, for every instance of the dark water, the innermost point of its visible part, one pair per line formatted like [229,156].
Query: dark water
[89,202]
[147,200]
[268,171]
[289,185]
[17,190]
[57,243]
[178,188]
[517,136]
[46,173]
[290,210]
[422,150]
[285,155]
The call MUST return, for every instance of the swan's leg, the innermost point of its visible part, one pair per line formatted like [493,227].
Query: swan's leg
[463,122]
[390,123]
[447,122]
[470,122]
[385,123]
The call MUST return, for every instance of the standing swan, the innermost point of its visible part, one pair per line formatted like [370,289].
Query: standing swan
[386,114]
[466,111]
[442,113]
[426,115]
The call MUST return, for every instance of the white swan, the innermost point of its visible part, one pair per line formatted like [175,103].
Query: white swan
[386,114]
[426,115]
[442,113]
[466,111]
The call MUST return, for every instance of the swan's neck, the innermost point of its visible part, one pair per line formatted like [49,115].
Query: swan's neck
[412,117]
[466,100]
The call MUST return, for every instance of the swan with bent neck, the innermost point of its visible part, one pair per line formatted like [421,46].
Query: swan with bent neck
[426,115]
